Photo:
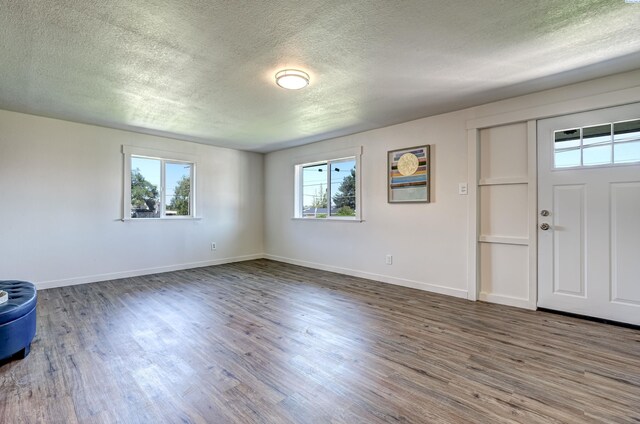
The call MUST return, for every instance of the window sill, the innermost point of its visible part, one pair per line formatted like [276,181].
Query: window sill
[165,218]
[333,219]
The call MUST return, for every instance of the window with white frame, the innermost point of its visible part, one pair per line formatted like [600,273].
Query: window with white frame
[158,184]
[329,188]
[616,143]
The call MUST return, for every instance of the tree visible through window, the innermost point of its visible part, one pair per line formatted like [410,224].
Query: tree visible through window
[144,195]
[180,200]
[344,201]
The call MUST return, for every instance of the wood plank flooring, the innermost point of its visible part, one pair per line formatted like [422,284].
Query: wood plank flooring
[266,342]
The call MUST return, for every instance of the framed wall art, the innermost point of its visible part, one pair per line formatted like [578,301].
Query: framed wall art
[409,175]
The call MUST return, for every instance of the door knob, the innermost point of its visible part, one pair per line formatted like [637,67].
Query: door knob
[544,226]
[544,212]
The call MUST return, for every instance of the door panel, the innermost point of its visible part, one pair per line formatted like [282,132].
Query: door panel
[589,255]
[625,231]
[501,265]
[568,241]
[503,210]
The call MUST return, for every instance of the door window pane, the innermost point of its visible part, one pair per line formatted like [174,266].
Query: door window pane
[626,131]
[598,134]
[567,158]
[627,152]
[597,155]
[567,139]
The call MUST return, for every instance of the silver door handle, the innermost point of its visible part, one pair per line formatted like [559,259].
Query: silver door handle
[544,226]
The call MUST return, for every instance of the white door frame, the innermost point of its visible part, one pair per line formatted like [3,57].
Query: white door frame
[532,222]
[529,115]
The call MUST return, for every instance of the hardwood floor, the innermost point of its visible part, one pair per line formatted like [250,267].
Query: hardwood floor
[266,342]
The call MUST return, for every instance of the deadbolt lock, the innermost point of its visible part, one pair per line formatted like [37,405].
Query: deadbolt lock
[544,212]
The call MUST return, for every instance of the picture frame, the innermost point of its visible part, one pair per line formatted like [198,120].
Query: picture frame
[409,175]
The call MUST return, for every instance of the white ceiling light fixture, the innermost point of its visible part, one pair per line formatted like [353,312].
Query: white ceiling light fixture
[292,79]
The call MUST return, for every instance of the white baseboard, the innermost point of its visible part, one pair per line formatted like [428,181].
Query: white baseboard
[138,272]
[435,288]
[507,300]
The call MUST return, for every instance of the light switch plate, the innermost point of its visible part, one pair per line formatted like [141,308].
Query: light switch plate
[462,188]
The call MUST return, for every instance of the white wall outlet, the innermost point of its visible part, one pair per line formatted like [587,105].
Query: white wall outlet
[389,260]
[463,189]
[213,245]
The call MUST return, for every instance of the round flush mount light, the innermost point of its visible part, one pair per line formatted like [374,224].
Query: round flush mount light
[292,79]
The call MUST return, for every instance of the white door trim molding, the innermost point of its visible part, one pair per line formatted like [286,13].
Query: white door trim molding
[581,104]
[473,208]
[532,156]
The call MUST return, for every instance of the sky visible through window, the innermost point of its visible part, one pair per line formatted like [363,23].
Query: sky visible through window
[314,181]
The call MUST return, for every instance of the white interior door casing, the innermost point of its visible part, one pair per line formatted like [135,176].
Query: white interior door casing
[589,257]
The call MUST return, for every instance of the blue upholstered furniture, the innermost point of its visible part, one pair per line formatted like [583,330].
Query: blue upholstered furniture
[17,319]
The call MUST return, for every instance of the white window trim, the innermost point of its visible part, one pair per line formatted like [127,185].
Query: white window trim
[165,157]
[327,157]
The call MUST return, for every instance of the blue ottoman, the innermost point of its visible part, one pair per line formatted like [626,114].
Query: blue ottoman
[17,319]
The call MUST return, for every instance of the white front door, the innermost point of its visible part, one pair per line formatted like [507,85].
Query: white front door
[589,213]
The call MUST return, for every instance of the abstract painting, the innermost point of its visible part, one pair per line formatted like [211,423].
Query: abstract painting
[408,175]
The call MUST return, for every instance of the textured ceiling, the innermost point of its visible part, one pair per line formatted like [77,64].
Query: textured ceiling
[203,70]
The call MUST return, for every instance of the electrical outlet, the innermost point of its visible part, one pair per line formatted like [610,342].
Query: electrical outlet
[389,259]
[213,245]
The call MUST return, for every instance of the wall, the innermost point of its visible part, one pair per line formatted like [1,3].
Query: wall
[61,204]
[426,240]
[433,245]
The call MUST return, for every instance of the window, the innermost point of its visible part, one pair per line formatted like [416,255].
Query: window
[158,185]
[329,188]
[607,144]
